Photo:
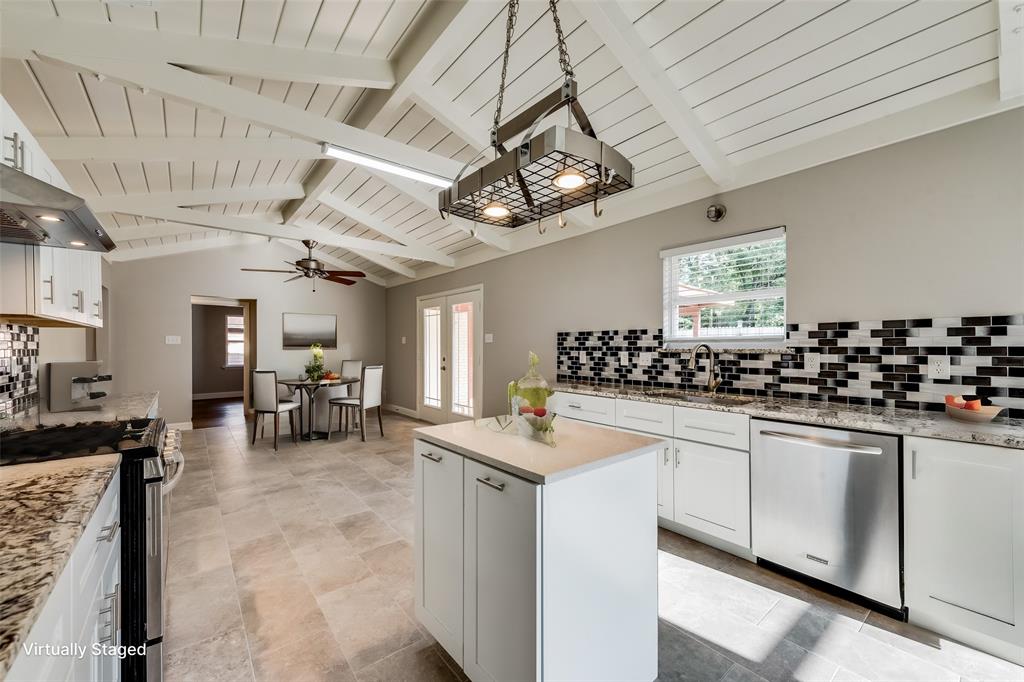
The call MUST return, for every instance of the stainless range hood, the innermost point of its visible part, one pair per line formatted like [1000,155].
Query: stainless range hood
[37,213]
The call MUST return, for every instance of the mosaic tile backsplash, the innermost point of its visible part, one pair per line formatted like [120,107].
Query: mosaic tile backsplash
[873,363]
[19,361]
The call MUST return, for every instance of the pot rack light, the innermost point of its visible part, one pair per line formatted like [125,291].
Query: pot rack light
[545,174]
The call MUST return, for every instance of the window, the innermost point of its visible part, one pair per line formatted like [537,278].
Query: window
[234,334]
[731,289]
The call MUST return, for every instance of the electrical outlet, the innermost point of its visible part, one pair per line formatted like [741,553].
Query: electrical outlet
[172,340]
[812,362]
[938,366]
[488,338]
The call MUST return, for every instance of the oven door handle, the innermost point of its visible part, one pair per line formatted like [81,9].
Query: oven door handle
[179,469]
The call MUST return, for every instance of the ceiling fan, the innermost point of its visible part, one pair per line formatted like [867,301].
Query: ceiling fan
[313,269]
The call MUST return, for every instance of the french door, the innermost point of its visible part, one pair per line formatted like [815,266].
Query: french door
[450,356]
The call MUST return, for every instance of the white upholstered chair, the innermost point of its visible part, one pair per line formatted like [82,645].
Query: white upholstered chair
[266,400]
[370,395]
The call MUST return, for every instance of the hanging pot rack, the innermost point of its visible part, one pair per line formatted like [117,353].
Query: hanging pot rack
[519,185]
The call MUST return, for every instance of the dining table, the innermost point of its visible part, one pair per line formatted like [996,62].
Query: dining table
[310,388]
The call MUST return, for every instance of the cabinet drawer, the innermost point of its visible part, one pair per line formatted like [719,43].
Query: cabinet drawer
[647,417]
[590,408]
[724,429]
[94,548]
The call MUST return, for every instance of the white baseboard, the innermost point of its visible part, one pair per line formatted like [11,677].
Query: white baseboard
[181,426]
[404,411]
[211,396]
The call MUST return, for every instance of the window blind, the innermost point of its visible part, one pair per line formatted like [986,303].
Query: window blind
[729,289]
[235,340]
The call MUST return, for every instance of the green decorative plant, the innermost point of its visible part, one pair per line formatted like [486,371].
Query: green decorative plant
[315,367]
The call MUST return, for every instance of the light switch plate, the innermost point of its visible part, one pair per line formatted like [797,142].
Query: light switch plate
[938,366]
[172,340]
[812,362]
[488,338]
[403,340]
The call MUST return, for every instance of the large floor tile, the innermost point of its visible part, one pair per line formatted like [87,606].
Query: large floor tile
[328,566]
[277,610]
[420,662]
[198,555]
[223,658]
[315,657]
[683,659]
[200,606]
[366,530]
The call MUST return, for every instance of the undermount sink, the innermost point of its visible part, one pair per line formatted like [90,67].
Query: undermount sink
[701,398]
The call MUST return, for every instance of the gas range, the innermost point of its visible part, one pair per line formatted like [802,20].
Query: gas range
[23,446]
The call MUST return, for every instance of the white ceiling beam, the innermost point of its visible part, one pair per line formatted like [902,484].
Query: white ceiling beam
[452,116]
[24,34]
[158,229]
[181,85]
[158,250]
[383,227]
[275,231]
[132,203]
[323,177]
[1011,49]
[130,149]
[428,197]
[616,32]
[388,263]
[333,261]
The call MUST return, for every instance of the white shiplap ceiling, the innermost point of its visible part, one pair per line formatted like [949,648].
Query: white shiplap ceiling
[701,95]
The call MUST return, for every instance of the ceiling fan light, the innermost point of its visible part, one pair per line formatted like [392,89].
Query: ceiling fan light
[496,209]
[569,179]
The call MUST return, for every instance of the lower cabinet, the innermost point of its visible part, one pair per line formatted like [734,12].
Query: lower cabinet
[712,490]
[964,542]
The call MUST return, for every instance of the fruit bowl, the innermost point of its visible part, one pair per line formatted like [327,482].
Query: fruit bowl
[980,416]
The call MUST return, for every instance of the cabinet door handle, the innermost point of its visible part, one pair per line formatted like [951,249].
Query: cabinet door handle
[491,484]
[575,406]
[432,457]
[50,282]
[666,456]
[677,458]
[913,464]
[108,533]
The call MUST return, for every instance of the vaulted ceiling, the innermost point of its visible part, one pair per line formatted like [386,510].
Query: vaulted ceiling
[189,122]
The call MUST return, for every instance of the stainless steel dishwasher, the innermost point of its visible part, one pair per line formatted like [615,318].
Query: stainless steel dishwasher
[826,503]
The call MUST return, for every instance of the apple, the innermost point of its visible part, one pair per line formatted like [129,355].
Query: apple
[526,409]
[973,405]
[955,400]
[539,412]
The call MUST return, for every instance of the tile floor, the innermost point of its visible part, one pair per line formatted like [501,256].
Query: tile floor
[298,566]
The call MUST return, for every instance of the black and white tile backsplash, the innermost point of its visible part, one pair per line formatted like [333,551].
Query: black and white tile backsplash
[19,362]
[876,363]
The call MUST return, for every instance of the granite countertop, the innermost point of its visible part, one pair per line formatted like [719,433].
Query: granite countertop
[1003,432]
[44,509]
[579,447]
[112,408]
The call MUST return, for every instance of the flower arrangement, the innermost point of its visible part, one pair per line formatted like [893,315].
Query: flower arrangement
[315,367]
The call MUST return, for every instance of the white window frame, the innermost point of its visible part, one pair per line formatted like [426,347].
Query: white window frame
[670,304]
[227,330]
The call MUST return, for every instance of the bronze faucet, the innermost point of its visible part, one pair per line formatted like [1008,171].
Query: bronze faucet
[713,382]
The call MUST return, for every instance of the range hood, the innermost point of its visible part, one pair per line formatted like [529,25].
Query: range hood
[35,212]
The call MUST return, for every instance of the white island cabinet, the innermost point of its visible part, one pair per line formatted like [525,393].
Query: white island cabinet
[537,562]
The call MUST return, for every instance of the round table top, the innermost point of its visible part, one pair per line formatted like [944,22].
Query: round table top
[323,382]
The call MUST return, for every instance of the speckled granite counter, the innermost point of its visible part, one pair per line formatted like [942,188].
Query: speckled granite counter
[1003,432]
[112,408]
[44,508]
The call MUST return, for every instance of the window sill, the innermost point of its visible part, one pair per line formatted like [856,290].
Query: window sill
[233,367]
[733,346]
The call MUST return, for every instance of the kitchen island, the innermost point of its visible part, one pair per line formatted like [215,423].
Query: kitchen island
[538,562]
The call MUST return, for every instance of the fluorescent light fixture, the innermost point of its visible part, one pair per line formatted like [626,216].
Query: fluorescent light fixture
[50,218]
[329,149]
[76,242]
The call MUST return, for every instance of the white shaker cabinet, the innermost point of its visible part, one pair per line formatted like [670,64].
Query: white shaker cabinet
[62,285]
[712,490]
[439,500]
[502,574]
[964,546]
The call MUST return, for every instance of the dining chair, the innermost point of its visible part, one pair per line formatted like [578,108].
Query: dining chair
[266,400]
[350,368]
[371,384]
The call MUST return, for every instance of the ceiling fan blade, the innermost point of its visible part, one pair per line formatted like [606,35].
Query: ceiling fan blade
[346,273]
[340,280]
[287,272]
[288,262]
[292,279]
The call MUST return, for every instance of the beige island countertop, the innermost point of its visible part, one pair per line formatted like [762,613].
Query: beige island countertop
[579,447]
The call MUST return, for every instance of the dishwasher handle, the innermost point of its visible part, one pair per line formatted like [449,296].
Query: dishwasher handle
[823,443]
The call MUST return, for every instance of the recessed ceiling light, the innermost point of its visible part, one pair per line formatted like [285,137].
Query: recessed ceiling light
[50,218]
[569,179]
[75,242]
[496,210]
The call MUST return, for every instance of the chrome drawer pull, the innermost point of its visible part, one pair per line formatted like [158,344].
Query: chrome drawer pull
[639,418]
[710,430]
[108,533]
[575,406]
[822,443]
[432,457]
[491,484]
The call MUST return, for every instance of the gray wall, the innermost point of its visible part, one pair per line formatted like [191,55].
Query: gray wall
[151,299]
[933,226]
[209,375]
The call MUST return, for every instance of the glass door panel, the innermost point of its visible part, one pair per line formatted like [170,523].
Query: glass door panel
[462,359]
[450,358]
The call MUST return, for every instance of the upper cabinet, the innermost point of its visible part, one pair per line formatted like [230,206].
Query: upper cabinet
[22,152]
[54,286]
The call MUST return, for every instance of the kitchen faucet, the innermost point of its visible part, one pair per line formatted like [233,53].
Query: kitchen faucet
[713,383]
